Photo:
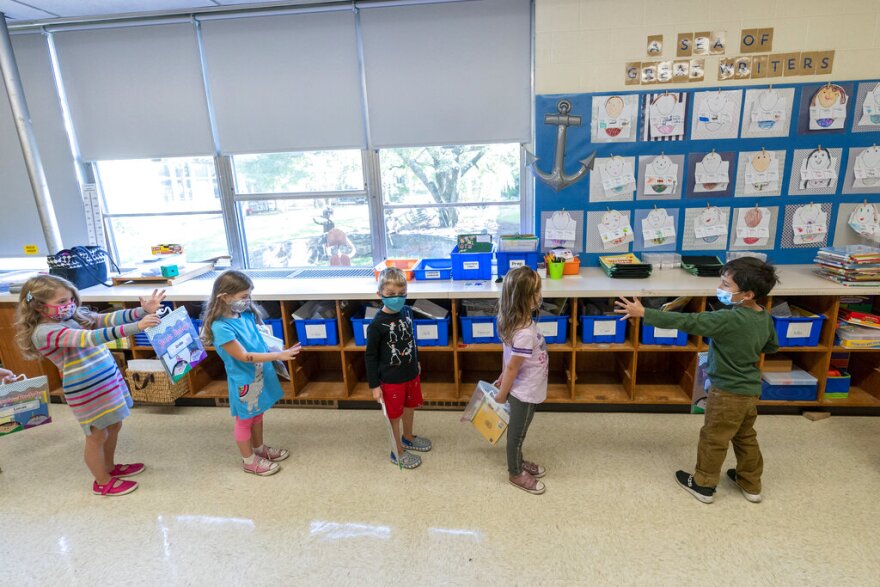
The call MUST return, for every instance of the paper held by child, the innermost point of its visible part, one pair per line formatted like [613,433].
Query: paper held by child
[488,416]
[391,437]
[177,344]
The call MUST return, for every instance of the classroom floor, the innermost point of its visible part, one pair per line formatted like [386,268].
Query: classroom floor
[338,513]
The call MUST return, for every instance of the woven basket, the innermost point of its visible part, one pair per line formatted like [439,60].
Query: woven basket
[154,388]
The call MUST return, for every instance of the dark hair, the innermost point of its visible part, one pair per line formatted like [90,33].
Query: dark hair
[752,274]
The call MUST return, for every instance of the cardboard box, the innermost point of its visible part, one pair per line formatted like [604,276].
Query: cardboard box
[488,416]
[777,365]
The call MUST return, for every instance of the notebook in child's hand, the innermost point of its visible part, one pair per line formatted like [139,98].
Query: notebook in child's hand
[177,344]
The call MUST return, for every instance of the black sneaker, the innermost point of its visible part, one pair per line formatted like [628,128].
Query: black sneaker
[752,497]
[686,481]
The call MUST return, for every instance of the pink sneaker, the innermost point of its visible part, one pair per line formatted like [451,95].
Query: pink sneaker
[127,470]
[276,455]
[114,487]
[261,467]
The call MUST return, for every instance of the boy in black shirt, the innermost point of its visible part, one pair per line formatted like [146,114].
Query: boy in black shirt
[392,362]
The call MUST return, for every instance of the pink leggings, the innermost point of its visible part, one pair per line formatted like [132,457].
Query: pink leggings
[243,427]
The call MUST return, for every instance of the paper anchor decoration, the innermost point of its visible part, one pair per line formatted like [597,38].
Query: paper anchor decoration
[557,179]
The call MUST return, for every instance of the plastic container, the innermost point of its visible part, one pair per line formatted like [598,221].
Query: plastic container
[555,270]
[796,385]
[433,269]
[554,329]
[359,326]
[837,387]
[573,267]
[317,332]
[479,330]
[798,330]
[406,265]
[663,336]
[603,329]
[471,265]
[508,261]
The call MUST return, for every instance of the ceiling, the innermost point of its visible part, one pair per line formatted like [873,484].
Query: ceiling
[18,11]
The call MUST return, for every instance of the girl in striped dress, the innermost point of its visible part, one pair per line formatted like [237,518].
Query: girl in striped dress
[52,324]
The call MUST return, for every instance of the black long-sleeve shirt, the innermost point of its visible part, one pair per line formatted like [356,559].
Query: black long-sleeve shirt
[392,356]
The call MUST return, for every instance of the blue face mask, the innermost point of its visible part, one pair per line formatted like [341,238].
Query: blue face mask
[394,303]
[726,297]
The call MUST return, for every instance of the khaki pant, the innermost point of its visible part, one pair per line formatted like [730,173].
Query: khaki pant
[730,418]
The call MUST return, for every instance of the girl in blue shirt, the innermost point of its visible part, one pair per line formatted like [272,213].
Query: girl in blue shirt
[230,324]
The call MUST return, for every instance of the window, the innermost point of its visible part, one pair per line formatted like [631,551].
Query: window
[153,201]
[319,217]
[431,194]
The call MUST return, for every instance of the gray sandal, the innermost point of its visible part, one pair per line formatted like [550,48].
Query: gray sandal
[407,460]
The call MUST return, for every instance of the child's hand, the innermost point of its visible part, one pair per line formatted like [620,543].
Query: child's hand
[631,309]
[6,376]
[288,354]
[152,303]
[148,321]
[501,398]
[377,394]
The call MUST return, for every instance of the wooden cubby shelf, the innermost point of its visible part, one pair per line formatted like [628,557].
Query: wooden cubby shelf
[628,373]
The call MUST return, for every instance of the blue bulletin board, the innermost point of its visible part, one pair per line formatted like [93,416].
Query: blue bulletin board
[736,147]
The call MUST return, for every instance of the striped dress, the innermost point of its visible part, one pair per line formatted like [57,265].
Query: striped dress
[93,386]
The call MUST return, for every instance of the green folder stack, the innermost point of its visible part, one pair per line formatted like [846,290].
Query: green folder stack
[702,265]
[626,266]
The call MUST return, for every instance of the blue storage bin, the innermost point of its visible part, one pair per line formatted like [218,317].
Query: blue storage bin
[508,261]
[838,386]
[588,330]
[797,385]
[471,265]
[319,337]
[277,327]
[649,337]
[785,326]
[425,333]
[433,269]
[548,324]
[467,325]
[359,326]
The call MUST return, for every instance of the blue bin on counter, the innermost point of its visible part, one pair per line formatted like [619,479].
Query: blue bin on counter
[433,269]
[512,260]
[471,265]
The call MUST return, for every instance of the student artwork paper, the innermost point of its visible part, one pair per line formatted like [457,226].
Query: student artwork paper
[615,229]
[661,176]
[718,115]
[762,174]
[866,169]
[666,116]
[617,176]
[658,228]
[818,170]
[871,108]
[711,225]
[614,118]
[753,227]
[768,112]
[865,220]
[560,230]
[711,174]
[828,108]
[810,224]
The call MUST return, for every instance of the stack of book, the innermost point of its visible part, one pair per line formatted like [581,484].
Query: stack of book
[856,265]
[858,330]
[626,266]
[702,265]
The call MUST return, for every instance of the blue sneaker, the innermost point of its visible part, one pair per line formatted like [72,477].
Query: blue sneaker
[407,460]
[418,443]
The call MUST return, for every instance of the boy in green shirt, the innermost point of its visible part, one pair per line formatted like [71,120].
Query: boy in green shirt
[739,336]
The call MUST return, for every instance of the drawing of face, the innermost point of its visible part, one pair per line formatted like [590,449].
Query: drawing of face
[871,157]
[663,107]
[865,214]
[753,219]
[614,106]
[657,218]
[809,214]
[662,164]
[828,96]
[614,167]
[712,162]
[612,220]
[716,101]
[761,161]
[819,160]
[663,169]
[710,217]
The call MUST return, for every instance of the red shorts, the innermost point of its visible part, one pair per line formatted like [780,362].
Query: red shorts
[401,395]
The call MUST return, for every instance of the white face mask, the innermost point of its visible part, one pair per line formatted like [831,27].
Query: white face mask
[240,306]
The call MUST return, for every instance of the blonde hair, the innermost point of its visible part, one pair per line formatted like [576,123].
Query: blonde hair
[35,294]
[229,283]
[518,292]
[391,276]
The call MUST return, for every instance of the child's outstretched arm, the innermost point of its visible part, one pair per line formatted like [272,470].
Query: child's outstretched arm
[49,336]
[709,324]
[238,352]
[149,305]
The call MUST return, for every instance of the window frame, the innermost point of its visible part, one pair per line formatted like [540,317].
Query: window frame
[230,198]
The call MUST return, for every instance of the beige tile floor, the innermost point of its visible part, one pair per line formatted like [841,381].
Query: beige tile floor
[340,514]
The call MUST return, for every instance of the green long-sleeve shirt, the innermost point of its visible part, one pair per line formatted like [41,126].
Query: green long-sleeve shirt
[739,336]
